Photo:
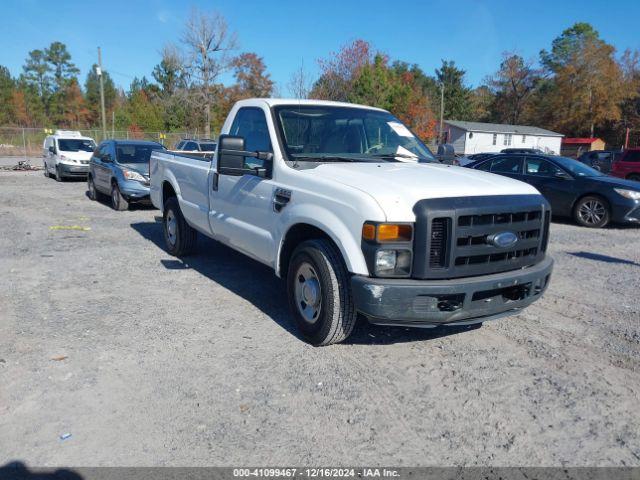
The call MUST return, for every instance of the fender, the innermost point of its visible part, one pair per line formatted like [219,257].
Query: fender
[329,223]
[168,176]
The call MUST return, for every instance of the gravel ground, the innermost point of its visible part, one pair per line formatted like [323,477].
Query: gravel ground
[146,360]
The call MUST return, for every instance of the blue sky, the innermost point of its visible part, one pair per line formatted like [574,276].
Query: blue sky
[286,33]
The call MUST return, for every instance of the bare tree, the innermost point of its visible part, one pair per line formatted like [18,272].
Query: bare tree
[208,42]
[300,83]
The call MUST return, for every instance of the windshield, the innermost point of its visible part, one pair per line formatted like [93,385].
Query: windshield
[208,147]
[326,133]
[76,145]
[577,168]
[131,153]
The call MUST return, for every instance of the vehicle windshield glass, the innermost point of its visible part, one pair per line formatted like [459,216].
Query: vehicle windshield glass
[76,145]
[577,168]
[131,153]
[208,147]
[320,133]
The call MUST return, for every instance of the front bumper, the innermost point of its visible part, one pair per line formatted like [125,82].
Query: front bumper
[624,210]
[135,191]
[429,303]
[74,170]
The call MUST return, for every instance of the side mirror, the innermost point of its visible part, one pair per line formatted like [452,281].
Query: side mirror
[446,154]
[52,149]
[231,157]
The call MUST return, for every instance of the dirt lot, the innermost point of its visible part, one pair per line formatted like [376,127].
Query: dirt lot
[146,360]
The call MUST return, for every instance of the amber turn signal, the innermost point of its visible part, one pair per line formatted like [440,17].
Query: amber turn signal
[387,232]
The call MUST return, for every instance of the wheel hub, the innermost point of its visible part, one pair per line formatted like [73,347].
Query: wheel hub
[171,227]
[592,212]
[308,293]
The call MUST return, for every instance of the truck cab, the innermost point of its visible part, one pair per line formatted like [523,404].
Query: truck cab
[355,212]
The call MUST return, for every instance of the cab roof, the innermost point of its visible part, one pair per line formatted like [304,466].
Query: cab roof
[273,102]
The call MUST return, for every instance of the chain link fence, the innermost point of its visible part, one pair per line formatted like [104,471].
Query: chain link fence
[28,142]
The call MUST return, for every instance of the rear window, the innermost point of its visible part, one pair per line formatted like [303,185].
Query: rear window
[208,147]
[129,153]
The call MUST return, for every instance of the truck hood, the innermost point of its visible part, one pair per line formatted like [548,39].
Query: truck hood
[397,187]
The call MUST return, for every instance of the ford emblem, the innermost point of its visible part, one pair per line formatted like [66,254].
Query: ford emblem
[503,239]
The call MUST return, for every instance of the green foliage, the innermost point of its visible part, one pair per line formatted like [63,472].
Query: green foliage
[92,94]
[457,96]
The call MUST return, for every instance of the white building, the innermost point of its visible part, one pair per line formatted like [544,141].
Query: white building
[477,137]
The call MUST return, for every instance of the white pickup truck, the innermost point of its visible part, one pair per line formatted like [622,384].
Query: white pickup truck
[359,217]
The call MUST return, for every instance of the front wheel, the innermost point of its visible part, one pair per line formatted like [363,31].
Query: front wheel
[118,202]
[179,237]
[59,177]
[319,291]
[592,211]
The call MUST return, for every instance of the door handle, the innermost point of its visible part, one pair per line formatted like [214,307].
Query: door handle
[214,181]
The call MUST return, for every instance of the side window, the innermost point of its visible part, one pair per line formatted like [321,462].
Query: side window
[486,166]
[508,164]
[190,147]
[180,145]
[103,152]
[632,156]
[251,124]
[540,167]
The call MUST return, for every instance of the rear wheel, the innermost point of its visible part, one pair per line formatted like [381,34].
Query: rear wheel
[179,237]
[592,211]
[118,202]
[319,291]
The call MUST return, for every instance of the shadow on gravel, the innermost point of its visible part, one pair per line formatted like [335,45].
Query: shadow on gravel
[19,471]
[257,284]
[603,258]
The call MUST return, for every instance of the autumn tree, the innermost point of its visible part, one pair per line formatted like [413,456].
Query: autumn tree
[587,85]
[7,89]
[340,70]
[300,83]
[513,86]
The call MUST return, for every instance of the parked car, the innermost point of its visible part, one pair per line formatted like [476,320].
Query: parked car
[573,189]
[120,169]
[628,166]
[601,160]
[465,160]
[66,154]
[319,192]
[194,145]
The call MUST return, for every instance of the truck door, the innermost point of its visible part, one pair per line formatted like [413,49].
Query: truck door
[241,209]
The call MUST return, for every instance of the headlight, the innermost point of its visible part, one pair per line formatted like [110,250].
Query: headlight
[131,175]
[388,248]
[630,194]
[395,263]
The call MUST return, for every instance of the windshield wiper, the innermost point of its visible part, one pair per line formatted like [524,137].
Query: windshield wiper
[392,156]
[328,158]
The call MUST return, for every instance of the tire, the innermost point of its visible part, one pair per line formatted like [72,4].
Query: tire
[91,188]
[118,202]
[319,291]
[634,177]
[592,211]
[59,177]
[179,237]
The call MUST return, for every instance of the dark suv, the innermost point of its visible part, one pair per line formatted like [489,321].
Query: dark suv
[601,160]
[120,169]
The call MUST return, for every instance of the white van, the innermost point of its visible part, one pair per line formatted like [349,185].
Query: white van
[67,153]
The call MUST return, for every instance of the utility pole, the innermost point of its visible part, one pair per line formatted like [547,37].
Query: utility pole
[441,109]
[104,116]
